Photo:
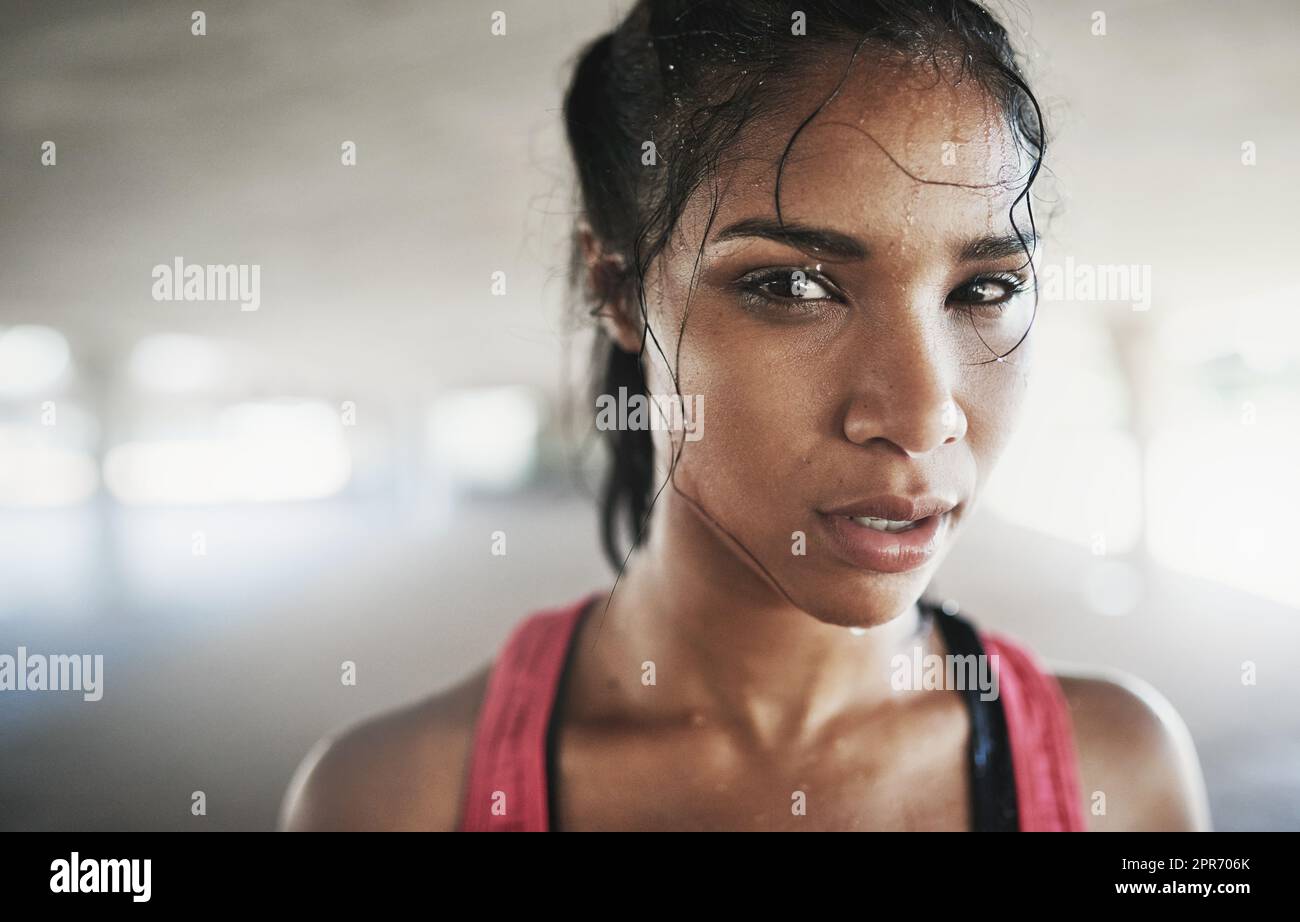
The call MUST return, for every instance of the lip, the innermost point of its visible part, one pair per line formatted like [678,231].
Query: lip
[897,508]
[886,552]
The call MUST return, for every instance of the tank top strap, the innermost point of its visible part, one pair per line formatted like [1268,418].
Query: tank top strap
[1045,759]
[506,789]
[991,776]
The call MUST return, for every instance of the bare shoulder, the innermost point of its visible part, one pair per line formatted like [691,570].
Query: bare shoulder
[401,770]
[1137,763]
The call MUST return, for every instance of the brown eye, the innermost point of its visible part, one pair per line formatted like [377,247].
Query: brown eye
[794,284]
[788,285]
[989,291]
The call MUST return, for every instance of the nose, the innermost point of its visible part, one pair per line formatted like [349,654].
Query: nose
[907,402]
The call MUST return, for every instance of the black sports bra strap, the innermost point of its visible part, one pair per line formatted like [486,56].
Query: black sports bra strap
[992,777]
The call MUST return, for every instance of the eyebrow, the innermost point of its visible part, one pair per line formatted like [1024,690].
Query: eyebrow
[818,240]
[834,244]
[998,246]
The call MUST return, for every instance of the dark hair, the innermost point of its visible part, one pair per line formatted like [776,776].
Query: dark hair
[688,76]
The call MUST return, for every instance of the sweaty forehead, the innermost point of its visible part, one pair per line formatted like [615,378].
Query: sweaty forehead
[898,148]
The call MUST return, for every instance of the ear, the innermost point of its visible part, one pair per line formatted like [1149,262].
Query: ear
[606,280]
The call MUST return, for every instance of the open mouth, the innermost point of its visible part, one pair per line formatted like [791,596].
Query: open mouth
[887,525]
[888,545]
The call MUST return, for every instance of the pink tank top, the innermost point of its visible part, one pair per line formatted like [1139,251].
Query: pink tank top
[507,789]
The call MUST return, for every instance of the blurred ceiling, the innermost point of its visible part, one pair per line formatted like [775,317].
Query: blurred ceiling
[226,149]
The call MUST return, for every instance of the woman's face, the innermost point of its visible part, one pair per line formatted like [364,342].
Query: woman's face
[867,375]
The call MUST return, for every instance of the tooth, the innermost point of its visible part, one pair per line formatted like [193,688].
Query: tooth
[886,525]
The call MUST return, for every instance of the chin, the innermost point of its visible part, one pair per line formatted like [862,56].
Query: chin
[864,600]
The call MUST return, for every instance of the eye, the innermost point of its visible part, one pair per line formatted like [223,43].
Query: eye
[797,289]
[989,291]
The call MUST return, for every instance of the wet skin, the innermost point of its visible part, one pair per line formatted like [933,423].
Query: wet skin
[867,378]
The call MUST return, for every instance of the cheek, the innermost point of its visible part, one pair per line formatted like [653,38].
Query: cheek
[764,416]
[995,397]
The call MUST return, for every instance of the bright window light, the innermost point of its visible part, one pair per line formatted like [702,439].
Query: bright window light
[173,362]
[1228,516]
[485,438]
[32,360]
[34,473]
[259,452]
[1079,485]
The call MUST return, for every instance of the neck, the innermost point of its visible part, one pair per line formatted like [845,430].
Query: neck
[731,646]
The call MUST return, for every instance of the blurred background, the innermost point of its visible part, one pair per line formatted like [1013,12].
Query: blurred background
[229,504]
